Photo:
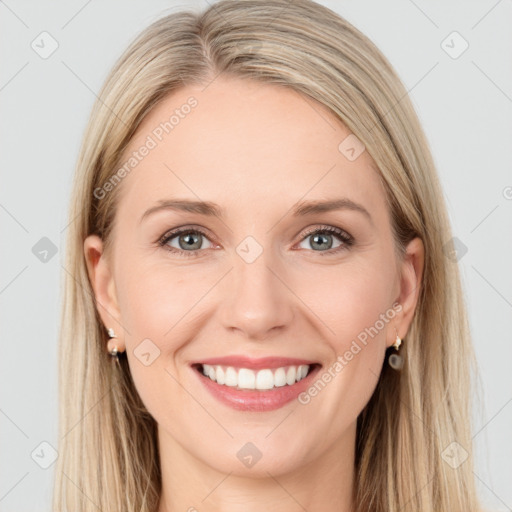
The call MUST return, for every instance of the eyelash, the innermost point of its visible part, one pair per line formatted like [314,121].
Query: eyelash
[347,240]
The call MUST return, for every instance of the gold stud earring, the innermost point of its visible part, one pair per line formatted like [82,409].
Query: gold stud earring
[398,342]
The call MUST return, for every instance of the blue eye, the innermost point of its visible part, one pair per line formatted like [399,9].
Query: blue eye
[324,237]
[190,241]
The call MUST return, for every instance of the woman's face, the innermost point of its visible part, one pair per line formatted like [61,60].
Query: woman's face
[259,280]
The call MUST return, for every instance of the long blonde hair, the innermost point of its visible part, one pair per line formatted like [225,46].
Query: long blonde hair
[108,450]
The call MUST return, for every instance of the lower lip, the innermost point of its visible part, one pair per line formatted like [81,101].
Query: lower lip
[255,400]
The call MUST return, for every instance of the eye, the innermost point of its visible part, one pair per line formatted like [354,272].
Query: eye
[322,238]
[187,241]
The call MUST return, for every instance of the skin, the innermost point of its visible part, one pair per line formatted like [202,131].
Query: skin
[255,150]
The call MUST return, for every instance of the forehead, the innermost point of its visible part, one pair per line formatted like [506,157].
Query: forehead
[244,142]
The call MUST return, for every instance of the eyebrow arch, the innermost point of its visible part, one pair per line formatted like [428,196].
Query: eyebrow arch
[300,209]
[185,205]
[311,207]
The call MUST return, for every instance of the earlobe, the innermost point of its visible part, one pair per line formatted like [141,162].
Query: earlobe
[410,283]
[102,282]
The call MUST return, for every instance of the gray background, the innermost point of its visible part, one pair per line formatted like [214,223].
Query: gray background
[464,104]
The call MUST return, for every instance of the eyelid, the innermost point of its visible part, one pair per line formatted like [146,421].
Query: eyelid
[329,229]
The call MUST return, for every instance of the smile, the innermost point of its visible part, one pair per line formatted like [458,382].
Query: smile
[245,378]
[256,389]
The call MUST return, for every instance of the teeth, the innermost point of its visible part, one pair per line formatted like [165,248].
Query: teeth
[219,376]
[290,375]
[264,379]
[280,377]
[231,380]
[244,378]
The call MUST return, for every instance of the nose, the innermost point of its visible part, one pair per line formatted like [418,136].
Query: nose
[256,301]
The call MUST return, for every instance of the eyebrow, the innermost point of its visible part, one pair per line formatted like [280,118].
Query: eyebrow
[300,209]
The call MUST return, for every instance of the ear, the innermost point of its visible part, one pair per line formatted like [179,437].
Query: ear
[410,285]
[102,282]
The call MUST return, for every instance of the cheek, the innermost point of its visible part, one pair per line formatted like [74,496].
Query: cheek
[155,301]
[355,306]
[156,306]
[351,300]
[160,308]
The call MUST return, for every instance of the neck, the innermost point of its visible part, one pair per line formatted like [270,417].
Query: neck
[193,484]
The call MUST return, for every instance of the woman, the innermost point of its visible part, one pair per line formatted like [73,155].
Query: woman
[211,357]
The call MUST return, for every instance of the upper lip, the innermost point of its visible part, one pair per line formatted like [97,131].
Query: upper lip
[253,363]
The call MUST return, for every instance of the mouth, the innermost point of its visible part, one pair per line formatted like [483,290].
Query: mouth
[263,379]
[256,390]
